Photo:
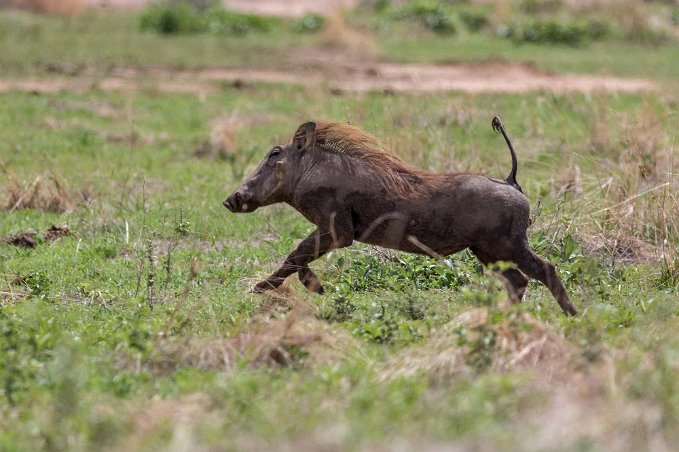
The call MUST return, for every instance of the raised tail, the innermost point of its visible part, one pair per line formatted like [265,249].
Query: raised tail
[499,127]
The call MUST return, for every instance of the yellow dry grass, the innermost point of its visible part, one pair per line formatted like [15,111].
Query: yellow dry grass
[285,332]
[221,143]
[339,34]
[518,341]
[46,193]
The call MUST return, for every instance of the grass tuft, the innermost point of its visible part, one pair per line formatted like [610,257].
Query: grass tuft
[45,193]
[484,340]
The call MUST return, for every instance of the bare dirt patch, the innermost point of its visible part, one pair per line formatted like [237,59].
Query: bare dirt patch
[496,76]
[288,8]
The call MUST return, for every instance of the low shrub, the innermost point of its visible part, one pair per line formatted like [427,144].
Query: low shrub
[474,20]
[555,32]
[647,36]
[540,6]
[187,18]
[309,23]
[172,19]
[430,15]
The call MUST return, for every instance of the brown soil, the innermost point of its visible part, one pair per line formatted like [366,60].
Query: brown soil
[494,76]
[22,240]
[289,8]
[346,64]
[55,233]
[28,239]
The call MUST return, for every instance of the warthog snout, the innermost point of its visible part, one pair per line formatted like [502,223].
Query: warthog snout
[237,202]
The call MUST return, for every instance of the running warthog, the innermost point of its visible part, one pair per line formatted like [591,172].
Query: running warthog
[343,181]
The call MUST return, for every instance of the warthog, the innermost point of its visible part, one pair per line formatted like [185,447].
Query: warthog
[343,181]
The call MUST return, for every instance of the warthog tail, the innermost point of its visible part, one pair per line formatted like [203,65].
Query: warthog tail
[499,127]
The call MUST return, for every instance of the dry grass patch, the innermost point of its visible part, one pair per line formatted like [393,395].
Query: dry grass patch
[221,142]
[340,35]
[628,209]
[488,340]
[641,192]
[177,417]
[100,108]
[45,193]
[271,340]
[13,288]
[284,341]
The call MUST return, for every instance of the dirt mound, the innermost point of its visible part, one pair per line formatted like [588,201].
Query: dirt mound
[29,239]
[22,240]
[55,233]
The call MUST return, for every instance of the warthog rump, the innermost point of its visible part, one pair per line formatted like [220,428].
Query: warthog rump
[343,181]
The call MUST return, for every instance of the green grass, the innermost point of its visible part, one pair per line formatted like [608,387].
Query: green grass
[601,58]
[87,363]
[30,43]
[69,348]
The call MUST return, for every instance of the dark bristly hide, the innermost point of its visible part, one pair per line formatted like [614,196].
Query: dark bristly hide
[343,181]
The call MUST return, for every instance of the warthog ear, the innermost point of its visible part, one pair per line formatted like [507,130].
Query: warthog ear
[305,136]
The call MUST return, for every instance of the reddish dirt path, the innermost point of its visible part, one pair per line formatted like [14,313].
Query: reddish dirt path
[283,8]
[353,69]
[387,77]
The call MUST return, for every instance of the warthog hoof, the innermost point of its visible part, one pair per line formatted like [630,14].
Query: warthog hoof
[262,286]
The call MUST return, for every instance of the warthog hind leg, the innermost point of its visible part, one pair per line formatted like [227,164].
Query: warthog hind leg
[515,282]
[533,266]
[310,280]
[537,268]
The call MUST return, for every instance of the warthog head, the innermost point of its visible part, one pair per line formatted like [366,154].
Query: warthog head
[272,180]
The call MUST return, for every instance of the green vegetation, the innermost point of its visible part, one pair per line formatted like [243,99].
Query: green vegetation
[81,343]
[556,32]
[547,22]
[405,33]
[136,329]
[309,23]
[185,18]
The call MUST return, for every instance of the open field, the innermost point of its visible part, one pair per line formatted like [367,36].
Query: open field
[129,326]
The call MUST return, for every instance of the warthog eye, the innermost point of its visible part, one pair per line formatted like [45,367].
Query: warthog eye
[275,152]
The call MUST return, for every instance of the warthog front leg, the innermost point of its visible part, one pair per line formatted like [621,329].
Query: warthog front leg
[339,235]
